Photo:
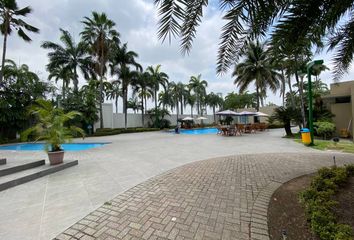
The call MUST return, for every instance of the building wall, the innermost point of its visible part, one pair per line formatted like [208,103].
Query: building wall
[342,89]
[343,115]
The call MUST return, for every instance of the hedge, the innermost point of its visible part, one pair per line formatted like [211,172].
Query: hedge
[318,202]
[116,131]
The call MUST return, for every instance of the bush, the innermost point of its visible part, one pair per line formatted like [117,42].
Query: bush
[116,131]
[318,202]
[324,129]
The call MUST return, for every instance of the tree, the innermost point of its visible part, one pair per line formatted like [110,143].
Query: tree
[142,89]
[166,98]
[101,36]
[120,63]
[191,100]
[286,115]
[21,87]
[64,74]
[214,100]
[157,78]
[256,68]
[115,92]
[198,87]
[291,20]
[10,17]
[244,100]
[134,104]
[68,57]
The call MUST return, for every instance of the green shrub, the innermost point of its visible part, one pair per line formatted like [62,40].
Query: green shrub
[324,129]
[318,202]
[116,131]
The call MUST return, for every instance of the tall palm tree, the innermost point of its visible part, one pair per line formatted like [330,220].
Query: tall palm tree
[256,68]
[134,104]
[198,86]
[191,101]
[10,20]
[69,56]
[214,100]
[157,78]
[101,36]
[142,89]
[115,92]
[126,76]
[166,98]
[63,74]
[120,63]
[182,94]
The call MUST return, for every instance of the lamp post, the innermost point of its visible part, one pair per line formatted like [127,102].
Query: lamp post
[309,68]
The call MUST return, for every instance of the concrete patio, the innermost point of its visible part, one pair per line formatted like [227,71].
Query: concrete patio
[46,207]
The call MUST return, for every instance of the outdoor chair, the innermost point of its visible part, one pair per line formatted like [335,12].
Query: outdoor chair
[232,130]
[240,128]
[218,127]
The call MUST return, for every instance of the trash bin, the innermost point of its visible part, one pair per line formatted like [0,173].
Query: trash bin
[305,136]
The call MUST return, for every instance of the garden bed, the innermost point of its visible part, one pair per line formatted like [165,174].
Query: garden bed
[287,213]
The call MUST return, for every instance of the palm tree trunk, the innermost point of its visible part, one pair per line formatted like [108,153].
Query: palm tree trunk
[191,110]
[291,93]
[3,55]
[301,93]
[257,93]
[142,111]
[125,100]
[177,113]
[283,86]
[145,104]
[116,104]
[155,93]
[63,90]
[76,82]
[101,88]
[214,113]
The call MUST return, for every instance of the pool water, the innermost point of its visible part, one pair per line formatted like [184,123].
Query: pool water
[40,146]
[199,131]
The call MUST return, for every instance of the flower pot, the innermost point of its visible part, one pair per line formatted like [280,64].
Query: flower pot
[56,157]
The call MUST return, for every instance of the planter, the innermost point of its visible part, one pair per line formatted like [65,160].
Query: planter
[56,157]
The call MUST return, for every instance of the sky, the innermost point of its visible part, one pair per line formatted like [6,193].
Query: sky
[136,20]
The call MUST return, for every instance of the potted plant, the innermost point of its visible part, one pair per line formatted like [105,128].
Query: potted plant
[52,128]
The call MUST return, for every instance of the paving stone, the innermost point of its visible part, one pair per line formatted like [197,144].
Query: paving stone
[223,198]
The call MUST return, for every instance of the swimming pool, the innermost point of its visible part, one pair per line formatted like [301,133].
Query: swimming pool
[199,131]
[40,146]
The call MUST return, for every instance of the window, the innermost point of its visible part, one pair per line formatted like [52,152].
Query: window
[343,99]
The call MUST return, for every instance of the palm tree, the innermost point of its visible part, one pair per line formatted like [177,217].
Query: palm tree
[134,104]
[256,68]
[182,94]
[245,19]
[10,15]
[198,86]
[69,56]
[214,100]
[126,76]
[142,89]
[166,98]
[64,74]
[157,78]
[191,101]
[115,92]
[101,36]
[120,63]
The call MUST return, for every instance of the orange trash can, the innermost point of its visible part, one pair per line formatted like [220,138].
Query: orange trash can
[305,136]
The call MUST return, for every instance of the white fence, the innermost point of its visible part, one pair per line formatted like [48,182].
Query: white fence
[116,120]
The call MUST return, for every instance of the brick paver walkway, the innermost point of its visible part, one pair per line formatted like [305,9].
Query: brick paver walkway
[223,198]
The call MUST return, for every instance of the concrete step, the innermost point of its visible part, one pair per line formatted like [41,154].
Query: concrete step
[2,161]
[20,167]
[31,174]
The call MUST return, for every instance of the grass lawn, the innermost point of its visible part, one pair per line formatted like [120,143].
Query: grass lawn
[344,146]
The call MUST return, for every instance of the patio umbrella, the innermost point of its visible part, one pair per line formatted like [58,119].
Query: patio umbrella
[246,113]
[202,118]
[228,113]
[260,114]
[187,119]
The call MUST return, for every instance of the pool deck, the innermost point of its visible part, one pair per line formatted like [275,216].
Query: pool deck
[46,207]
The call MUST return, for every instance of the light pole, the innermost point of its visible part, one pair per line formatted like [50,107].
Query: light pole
[309,68]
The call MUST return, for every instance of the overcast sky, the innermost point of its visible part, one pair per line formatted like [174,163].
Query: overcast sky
[137,23]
